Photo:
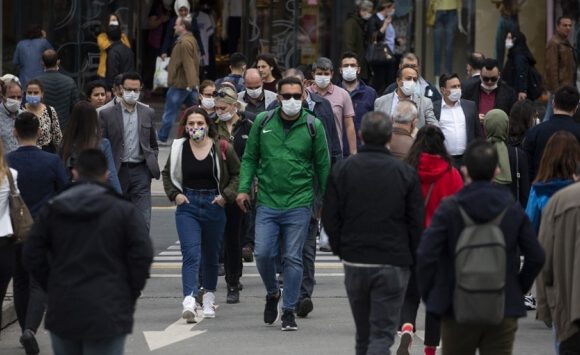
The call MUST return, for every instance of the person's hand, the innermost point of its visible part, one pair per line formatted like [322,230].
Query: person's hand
[180,199]
[522,96]
[481,117]
[243,201]
[219,200]
[460,28]
[163,56]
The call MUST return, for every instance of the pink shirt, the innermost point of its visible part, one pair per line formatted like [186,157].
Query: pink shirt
[341,106]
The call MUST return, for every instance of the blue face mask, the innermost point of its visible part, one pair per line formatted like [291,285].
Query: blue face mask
[33,100]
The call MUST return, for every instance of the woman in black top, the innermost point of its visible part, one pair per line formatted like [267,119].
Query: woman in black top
[234,128]
[201,176]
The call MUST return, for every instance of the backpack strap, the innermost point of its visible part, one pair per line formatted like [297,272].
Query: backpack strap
[264,122]
[517,175]
[310,119]
[224,148]
[428,197]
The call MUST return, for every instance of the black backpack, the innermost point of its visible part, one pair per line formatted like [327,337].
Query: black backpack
[480,272]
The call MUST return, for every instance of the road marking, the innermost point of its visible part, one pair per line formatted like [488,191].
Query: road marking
[163,208]
[178,276]
[174,333]
[177,265]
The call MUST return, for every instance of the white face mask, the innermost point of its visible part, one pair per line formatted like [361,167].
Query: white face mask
[226,116]
[489,88]
[454,95]
[254,93]
[291,107]
[509,43]
[114,23]
[130,97]
[367,16]
[208,102]
[391,13]
[349,74]
[322,81]
[408,87]
[12,105]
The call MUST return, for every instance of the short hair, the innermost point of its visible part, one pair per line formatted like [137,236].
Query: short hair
[475,60]
[349,54]
[382,4]
[294,72]
[130,76]
[118,80]
[376,128]
[7,85]
[323,63]
[480,160]
[490,63]
[566,98]
[238,60]
[411,56]
[290,80]
[444,78]
[204,84]
[49,58]
[405,112]
[365,5]
[26,125]
[401,69]
[564,17]
[91,164]
[92,86]
[186,22]
[37,83]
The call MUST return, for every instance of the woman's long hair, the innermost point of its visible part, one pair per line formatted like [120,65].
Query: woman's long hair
[83,130]
[429,140]
[560,157]
[271,60]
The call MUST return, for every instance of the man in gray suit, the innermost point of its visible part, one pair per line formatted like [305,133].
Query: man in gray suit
[458,118]
[129,127]
[407,77]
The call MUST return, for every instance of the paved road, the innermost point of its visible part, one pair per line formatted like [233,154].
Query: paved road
[239,328]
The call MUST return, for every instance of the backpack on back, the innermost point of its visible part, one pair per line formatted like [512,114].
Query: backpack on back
[480,272]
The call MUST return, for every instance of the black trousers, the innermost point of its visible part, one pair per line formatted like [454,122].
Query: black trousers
[571,346]
[7,259]
[375,295]
[308,259]
[232,244]
[409,313]
[29,298]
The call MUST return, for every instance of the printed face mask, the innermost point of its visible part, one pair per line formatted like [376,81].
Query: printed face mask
[196,133]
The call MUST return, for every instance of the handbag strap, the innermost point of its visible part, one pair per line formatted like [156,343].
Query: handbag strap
[13,190]
[428,197]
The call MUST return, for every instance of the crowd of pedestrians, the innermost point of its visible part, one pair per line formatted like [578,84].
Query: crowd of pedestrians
[450,193]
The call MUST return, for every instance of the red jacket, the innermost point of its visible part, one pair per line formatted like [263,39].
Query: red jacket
[433,169]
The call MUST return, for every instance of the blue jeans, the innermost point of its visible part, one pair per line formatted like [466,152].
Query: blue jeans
[445,25]
[200,227]
[106,346]
[292,225]
[173,101]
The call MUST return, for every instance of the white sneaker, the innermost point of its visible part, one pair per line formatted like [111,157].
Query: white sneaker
[208,305]
[189,309]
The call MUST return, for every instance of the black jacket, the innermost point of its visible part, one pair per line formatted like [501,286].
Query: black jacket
[468,84]
[537,137]
[90,250]
[504,100]
[373,209]
[482,201]
[119,60]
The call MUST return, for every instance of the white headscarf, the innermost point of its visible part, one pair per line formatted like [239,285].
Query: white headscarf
[179,4]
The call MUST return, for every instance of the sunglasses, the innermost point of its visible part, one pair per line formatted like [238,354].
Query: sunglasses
[491,79]
[225,94]
[291,96]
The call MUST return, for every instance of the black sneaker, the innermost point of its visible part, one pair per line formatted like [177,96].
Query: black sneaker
[248,254]
[288,321]
[271,312]
[305,306]
[233,294]
[28,341]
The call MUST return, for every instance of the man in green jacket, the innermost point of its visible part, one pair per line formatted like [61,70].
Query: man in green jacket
[286,150]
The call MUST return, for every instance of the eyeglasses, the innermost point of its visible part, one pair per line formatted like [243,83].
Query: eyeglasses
[224,94]
[291,96]
[491,79]
[132,90]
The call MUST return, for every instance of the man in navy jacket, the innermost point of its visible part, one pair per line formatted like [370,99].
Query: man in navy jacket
[482,201]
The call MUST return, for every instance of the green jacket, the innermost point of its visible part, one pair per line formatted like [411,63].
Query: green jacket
[285,164]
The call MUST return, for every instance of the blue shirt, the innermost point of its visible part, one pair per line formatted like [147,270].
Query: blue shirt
[363,100]
[40,175]
[389,34]
[28,58]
